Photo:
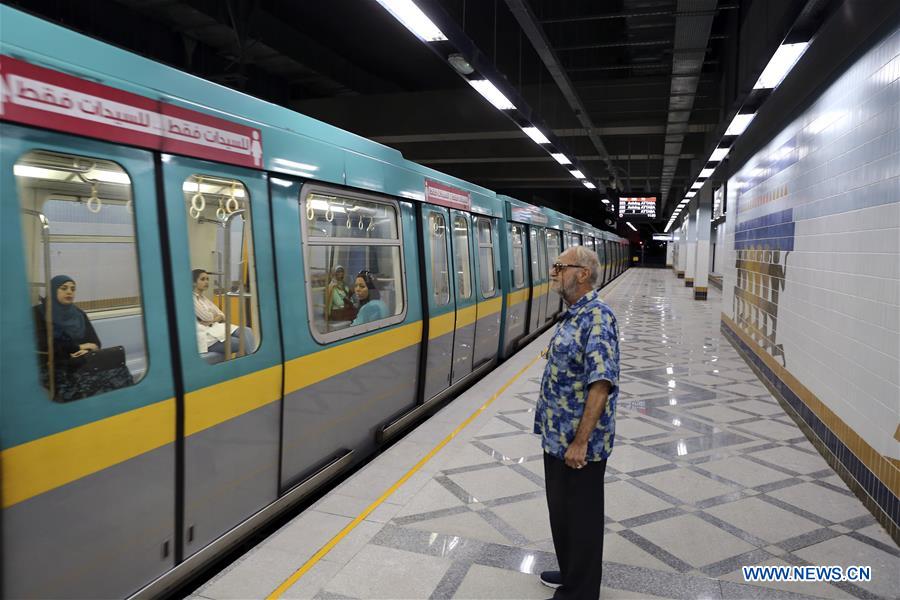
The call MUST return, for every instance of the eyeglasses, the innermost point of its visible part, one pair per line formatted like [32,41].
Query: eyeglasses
[557,267]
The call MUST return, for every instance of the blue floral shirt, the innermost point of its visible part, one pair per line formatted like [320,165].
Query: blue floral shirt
[584,349]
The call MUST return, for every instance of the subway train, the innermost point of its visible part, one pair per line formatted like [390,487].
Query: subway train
[212,306]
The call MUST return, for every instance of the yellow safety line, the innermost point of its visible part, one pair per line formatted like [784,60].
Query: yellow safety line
[352,525]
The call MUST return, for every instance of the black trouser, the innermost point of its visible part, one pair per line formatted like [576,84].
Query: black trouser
[575,500]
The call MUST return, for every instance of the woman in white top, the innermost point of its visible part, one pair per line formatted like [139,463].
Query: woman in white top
[211,327]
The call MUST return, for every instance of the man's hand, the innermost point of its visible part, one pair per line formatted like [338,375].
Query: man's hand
[576,455]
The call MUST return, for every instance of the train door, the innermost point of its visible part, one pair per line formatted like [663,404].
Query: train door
[227,321]
[490,295]
[517,301]
[88,428]
[554,301]
[441,299]
[601,256]
[464,284]
[538,278]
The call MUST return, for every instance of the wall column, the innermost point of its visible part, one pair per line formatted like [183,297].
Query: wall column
[691,245]
[670,254]
[703,218]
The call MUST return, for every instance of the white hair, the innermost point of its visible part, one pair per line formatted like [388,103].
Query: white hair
[587,259]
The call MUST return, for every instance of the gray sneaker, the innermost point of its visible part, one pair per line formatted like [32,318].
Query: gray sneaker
[552,579]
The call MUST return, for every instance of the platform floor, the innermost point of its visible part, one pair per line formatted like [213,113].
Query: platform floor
[708,474]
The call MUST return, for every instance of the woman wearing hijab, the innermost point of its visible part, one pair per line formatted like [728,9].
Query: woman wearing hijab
[338,304]
[371,308]
[211,333]
[73,339]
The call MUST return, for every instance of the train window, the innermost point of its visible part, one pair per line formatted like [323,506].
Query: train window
[81,260]
[461,256]
[535,256]
[440,269]
[517,235]
[553,248]
[486,257]
[223,268]
[354,264]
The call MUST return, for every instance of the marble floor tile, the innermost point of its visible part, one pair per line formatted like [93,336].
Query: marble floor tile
[433,496]
[528,517]
[719,414]
[483,582]
[517,446]
[744,472]
[464,456]
[885,567]
[493,483]
[633,428]
[494,426]
[687,485]
[619,550]
[640,388]
[762,519]
[258,574]
[820,501]
[379,572]
[771,429]
[468,525]
[622,501]
[795,460]
[627,458]
[693,540]
[759,407]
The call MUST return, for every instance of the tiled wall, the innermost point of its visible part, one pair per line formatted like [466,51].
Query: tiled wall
[811,261]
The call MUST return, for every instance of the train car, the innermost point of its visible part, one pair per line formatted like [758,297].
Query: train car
[217,305]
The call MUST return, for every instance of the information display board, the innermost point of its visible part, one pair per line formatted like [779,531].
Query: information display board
[637,207]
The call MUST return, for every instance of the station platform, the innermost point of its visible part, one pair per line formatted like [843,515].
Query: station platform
[708,474]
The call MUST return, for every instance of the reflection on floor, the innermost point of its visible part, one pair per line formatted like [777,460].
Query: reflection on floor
[708,474]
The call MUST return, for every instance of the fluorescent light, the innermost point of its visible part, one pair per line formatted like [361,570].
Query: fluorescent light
[780,65]
[535,134]
[561,159]
[697,185]
[193,186]
[706,173]
[630,225]
[577,174]
[604,200]
[690,194]
[34,172]
[413,19]
[739,124]
[491,94]
[718,154]
[589,185]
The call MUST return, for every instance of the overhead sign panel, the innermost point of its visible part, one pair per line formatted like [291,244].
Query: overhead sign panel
[46,98]
[447,195]
[637,207]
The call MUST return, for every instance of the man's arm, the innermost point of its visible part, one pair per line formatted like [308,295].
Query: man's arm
[598,394]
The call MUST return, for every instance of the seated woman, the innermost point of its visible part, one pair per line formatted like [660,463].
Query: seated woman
[211,330]
[371,308]
[74,344]
[338,301]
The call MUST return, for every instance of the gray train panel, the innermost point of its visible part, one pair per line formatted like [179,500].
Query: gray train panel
[345,411]
[51,533]
[231,471]
[463,352]
[439,364]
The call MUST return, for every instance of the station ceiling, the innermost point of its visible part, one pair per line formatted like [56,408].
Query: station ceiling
[633,89]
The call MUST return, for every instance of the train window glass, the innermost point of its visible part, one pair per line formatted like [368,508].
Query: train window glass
[355,273]
[223,267]
[553,249]
[517,234]
[82,267]
[535,255]
[339,217]
[486,257]
[461,256]
[440,270]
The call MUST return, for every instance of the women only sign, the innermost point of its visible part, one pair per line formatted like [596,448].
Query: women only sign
[42,97]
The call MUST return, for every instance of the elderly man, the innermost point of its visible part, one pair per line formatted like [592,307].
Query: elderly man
[576,419]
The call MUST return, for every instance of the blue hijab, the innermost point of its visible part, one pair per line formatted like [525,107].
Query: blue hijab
[68,320]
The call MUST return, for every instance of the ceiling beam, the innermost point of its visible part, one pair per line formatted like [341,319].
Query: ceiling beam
[500,135]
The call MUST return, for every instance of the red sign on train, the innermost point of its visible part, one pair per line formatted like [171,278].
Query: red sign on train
[445,195]
[45,98]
